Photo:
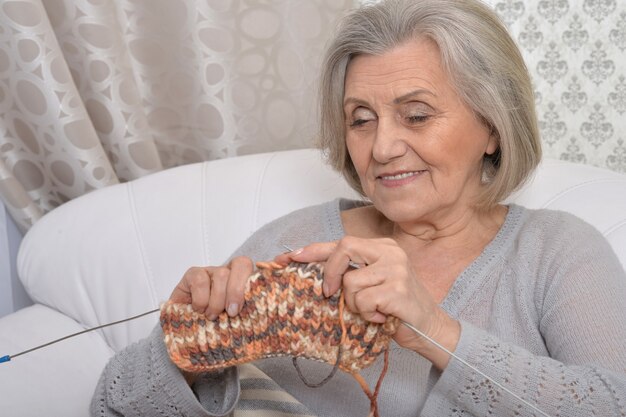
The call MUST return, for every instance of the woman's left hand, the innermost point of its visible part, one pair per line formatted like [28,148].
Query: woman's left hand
[384,284]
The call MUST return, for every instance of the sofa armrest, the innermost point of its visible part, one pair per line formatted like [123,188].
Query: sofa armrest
[58,380]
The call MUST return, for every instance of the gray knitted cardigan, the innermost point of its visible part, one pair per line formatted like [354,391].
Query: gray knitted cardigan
[542,311]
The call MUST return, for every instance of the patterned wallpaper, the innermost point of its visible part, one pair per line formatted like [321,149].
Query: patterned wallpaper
[576,54]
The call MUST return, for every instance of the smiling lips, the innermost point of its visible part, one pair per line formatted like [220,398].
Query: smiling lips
[398,179]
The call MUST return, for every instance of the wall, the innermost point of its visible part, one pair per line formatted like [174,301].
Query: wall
[575,51]
[12,294]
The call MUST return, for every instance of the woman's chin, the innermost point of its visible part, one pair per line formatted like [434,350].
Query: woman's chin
[399,211]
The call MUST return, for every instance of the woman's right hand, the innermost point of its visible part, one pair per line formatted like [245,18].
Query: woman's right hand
[213,289]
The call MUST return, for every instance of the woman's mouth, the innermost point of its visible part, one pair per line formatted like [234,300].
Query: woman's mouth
[398,179]
[399,176]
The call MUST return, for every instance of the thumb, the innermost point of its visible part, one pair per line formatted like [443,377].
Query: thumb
[315,252]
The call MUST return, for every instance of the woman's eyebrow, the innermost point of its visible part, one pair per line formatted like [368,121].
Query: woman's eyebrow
[397,100]
[412,94]
[354,100]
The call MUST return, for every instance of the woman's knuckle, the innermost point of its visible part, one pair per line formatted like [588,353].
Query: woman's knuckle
[244,261]
[350,279]
[346,243]
[361,300]
[221,274]
[358,298]
[197,279]
[191,271]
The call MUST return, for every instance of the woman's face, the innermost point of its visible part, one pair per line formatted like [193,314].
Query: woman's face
[416,147]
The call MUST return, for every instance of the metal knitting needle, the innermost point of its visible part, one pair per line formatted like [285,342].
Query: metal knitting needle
[354,265]
[7,358]
[351,263]
[473,368]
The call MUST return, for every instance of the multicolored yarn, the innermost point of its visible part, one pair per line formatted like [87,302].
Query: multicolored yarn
[285,313]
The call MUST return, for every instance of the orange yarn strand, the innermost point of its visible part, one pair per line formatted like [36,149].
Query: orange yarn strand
[342,322]
[373,397]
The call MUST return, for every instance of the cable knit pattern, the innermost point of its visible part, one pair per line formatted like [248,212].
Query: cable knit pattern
[285,313]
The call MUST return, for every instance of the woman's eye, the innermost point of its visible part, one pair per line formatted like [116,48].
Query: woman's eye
[358,122]
[416,112]
[417,118]
[361,116]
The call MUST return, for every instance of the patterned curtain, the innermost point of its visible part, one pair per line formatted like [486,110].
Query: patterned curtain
[94,92]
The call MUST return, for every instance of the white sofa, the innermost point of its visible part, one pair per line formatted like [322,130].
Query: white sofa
[119,251]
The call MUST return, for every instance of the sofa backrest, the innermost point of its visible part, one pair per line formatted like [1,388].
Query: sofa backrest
[119,251]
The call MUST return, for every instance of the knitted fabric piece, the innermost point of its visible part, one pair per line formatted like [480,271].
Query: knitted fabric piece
[284,313]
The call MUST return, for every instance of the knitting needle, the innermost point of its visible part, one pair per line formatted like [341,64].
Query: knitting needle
[415,330]
[8,358]
[352,264]
[473,368]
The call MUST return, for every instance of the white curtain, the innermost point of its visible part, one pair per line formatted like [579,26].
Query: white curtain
[94,92]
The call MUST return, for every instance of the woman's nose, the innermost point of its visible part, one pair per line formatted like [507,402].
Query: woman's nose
[389,142]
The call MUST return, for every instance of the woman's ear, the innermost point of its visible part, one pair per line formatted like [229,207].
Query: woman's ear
[494,141]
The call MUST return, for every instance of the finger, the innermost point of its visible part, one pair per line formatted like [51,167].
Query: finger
[355,281]
[374,317]
[198,284]
[367,303]
[217,299]
[181,294]
[347,253]
[284,258]
[240,270]
[354,252]
[315,252]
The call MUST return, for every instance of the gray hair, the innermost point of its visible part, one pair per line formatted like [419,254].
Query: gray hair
[479,56]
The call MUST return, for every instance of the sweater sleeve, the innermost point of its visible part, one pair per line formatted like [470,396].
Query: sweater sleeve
[141,380]
[548,384]
[580,315]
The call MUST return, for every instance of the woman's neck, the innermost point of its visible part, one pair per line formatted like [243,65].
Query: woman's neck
[464,228]
[459,230]
[439,252]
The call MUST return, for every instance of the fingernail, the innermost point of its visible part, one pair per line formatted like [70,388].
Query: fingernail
[212,316]
[233,309]
[325,289]
[297,251]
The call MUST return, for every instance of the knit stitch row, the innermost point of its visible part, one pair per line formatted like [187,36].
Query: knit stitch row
[285,313]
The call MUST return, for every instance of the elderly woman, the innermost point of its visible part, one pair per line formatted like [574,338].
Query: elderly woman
[427,109]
